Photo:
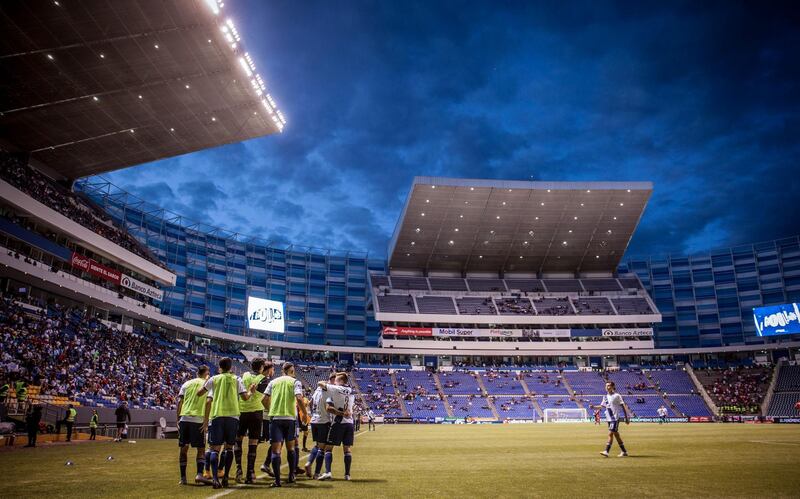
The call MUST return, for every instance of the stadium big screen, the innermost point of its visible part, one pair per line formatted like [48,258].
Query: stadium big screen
[777,320]
[265,315]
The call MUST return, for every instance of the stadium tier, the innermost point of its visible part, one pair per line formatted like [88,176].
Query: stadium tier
[786,399]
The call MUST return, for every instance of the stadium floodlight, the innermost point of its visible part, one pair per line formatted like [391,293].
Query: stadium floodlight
[214,6]
[245,66]
[573,415]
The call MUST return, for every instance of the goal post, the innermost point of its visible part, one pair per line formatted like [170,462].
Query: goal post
[572,415]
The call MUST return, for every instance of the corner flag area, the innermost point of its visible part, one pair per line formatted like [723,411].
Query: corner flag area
[553,460]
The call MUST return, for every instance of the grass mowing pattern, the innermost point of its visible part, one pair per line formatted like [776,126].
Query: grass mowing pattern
[556,460]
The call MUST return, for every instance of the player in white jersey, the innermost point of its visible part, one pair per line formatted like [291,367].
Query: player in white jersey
[339,404]
[615,409]
[320,426]
[662,414]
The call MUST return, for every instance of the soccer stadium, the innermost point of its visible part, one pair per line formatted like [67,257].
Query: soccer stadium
[505,342]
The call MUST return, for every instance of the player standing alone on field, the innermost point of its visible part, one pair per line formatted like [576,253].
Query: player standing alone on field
[615,409]
[662,415]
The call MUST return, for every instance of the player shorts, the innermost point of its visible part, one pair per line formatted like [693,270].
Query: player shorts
[223,430]
[264,429]
[319,432]
[303,426]
[120,425]
[341,434]
[613,426]
[282,430]
[191,434]
[250,425]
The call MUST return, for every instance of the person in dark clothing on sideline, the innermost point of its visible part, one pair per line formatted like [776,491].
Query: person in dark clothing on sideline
[32,424]
[122,414]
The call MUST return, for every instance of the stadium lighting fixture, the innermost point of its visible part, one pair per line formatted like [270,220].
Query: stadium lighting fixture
[171,129]
[214,5]
[536,218]
[213,118]
[245,66]
[504,203]
[417,230]
[131,130]
[570,231]
[102,56]
[581,205]
[427,200]
[563,243]
[629,190]
[588,190]
[524,243]
[597,256]
[50,56]
[622,204]
[542,203]
[408,254]
[574,218]
[140,96]
[491,232]
[433,187]
[480,256]
[472,188]
[57,4]
[187,86]
[455,230]
[422,214]
[94,98]
[609,231]
[461,216]
[451,242]
[155,46]
[413,243]
[548,190]
[209,40]
[530,232]
[520,257]
[615,218]
[498,217]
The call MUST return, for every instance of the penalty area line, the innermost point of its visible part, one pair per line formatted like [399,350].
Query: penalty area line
[241,486]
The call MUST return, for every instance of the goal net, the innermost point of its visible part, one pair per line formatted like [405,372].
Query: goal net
[573,415]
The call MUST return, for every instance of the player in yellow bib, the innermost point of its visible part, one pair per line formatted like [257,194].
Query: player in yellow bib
[251,418]
[191,409]
[283,397]
[222,410]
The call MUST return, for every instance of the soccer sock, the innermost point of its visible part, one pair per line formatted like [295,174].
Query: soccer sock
[251,457]
[348,459]
[214,464]
[608,446]
[305,440]
[237,454]
[296,458]
[228,459]
[320,459]
[290,460]
[182,461]
[276,466]
[208,460]
[622,446]
[201,463]
[328,461]
[313,456]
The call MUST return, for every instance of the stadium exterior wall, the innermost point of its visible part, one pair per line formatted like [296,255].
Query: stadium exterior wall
[705,300]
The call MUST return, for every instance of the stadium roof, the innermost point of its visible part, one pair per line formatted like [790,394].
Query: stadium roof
[516,226]
[98,85]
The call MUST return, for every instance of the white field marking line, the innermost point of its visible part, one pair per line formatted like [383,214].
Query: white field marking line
[241,485]
[772,442]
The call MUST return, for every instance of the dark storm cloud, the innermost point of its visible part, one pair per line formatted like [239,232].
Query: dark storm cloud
[700,98]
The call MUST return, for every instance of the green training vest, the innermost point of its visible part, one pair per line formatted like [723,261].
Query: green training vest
[4,390]
[93,421]
[22,391]
[226,396]
[71,413]
[192,404]
[283,402]
[254,403]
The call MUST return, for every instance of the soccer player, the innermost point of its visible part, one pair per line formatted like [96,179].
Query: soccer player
[251,418]
[339,405]
[615,408]
[283,397]
[370,420]
[191,409]
[320,426]
[304,426]
[662,414]
[222,410]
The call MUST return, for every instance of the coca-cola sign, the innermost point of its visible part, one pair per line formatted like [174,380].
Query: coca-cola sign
[90,266]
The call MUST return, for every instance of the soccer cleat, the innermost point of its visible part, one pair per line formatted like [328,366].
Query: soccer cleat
[347,478]
[207,475]
[182,482]
[251,478]
[239,475]
[292,478]
[623,454]
[266,469]
[315,477]
[216,484]
[308,470]
[274,484]
[604,453]
[201,480]
[300,471]
[325,476]
[224,482]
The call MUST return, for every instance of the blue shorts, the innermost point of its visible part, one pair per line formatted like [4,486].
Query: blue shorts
[341,434]
[222,430]
[282,430]
[613,426]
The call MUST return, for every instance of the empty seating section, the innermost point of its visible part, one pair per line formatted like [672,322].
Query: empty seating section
[426,407]
[416,383]
[402,304]
[436,305]
[630,283]
[515,408]
[447,284]
[556,402]
[553,306]
[642,405]
[593,306]
[476,306]
[563,285]
[586,382]
[377,391]
[379,280]
[601,285]
[672,381]
[459,383]
[632,306]
[525,285]
[631,382]
[311,375]
[545,383]
[514,306]
[470,406]
[502,383]
[486,285]
[787,393]
[407,282]
[690,405]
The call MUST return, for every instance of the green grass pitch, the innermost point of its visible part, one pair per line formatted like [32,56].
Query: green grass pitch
[451,461]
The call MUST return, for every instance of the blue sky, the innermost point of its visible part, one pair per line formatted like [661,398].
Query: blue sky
[701,98]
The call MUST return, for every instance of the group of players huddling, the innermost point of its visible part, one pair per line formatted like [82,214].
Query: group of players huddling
[226,408]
